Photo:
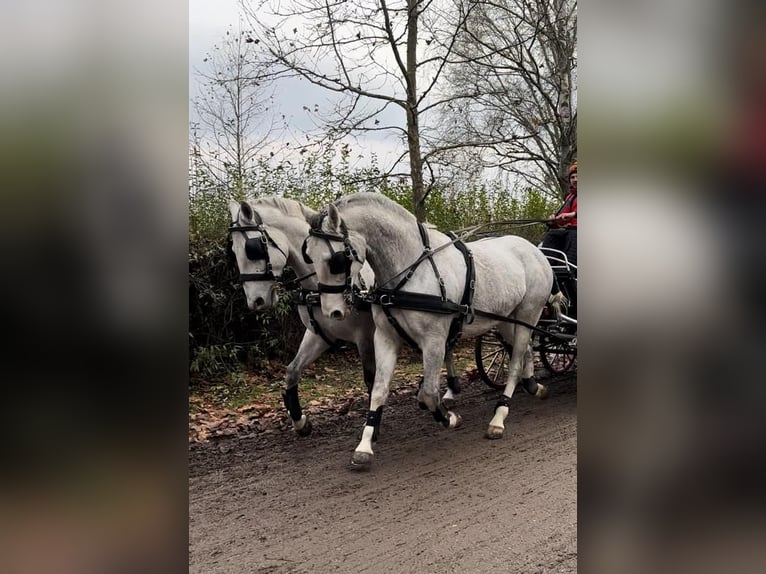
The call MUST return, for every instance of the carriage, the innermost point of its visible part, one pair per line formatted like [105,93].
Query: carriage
[554,339]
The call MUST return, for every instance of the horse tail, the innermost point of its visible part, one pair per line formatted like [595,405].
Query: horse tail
[557,301]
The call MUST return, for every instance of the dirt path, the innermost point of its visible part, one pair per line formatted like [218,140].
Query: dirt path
[435,500]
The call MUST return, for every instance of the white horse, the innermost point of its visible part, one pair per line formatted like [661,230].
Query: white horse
[512,279]
[276,228]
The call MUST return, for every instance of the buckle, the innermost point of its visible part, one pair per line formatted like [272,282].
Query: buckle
[312,298]
[385,300]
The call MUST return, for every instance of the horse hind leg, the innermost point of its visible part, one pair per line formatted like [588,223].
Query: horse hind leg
[453,382]
[311,347]
[521,339]
[433,357]
[528,381]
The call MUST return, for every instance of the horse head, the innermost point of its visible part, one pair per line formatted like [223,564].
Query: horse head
[338,257]
[261,255]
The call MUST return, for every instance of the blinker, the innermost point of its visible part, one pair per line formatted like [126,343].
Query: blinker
[338,260]
[255,249]
[306,257]
[338,263]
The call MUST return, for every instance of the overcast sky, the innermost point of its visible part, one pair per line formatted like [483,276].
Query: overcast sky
[208,22]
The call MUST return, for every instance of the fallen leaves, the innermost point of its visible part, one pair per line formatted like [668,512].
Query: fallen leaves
[331,385]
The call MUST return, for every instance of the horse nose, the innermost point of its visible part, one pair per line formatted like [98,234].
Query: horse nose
[337,315]
[259,301]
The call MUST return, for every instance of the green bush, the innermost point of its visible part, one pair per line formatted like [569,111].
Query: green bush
[222,331]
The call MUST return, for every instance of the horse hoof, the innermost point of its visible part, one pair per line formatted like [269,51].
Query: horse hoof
[455,420]
[542,392]
[494,433]
[306,429]
[361,460]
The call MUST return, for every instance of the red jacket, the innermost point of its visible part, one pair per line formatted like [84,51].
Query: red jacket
[570,206]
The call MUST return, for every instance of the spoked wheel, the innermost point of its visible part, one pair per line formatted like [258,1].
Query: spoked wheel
[557,356]
[493,356]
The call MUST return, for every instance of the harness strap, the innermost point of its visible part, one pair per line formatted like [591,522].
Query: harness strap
[415,302]
[428,254]
[388,298]
[399,329]
[326,288]
[310,299]
[466,302]
[427,251]
[265,238]
[504,319]
[295,284]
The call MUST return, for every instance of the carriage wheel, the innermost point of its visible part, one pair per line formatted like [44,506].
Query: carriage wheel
[557,357]
[493,355]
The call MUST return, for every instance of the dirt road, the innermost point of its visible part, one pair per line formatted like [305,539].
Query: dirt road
[435,501]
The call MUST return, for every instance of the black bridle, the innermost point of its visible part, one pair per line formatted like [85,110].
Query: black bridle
[340,261]
[257,249]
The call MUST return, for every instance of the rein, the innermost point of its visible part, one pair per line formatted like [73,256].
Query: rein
[460,235]
[474,230]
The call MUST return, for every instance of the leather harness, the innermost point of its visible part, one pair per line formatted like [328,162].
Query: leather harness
[396,299]
[257,248]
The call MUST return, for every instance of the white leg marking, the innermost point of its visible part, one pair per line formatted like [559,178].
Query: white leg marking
[365,445]
[448,396]
[301,423]
[499,419]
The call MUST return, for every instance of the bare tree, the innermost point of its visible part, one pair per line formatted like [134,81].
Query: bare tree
[234,119]
[513,87]
[379,56]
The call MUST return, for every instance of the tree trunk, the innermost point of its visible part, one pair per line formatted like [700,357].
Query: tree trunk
[413,129]
[567,144]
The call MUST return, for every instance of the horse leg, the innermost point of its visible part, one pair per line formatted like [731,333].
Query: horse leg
[528,382]
[453,382]
[312,346]
[433,357]
[367,355]
[386,353]
[521,337]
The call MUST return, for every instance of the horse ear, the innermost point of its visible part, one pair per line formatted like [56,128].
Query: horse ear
[333,218]
[233,209]
[246,211]
[308,213]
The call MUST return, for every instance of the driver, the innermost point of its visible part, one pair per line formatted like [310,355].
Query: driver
[563,236]
[563,232]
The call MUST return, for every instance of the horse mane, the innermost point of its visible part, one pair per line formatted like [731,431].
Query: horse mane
[287,206]
[367,197]
[315,220]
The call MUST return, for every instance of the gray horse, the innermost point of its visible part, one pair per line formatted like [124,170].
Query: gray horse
[284,223]
[512,279]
